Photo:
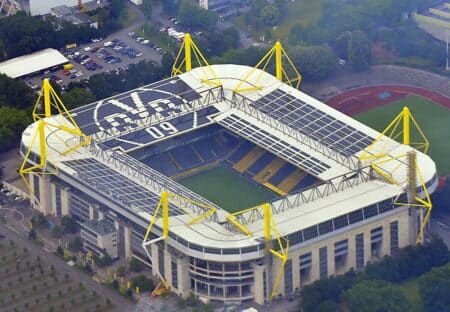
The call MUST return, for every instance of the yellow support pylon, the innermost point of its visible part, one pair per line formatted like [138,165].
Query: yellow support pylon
[392,131]
[184,62]
[50,100]
[400,127]
[253,76]
[269,228]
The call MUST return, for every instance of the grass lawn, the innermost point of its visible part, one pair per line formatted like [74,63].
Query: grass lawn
[432,118]
[411,291]
[227,189]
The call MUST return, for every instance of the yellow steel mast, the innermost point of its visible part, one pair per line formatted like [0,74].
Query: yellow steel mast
[184,62]
[381,156]
[50,100]
[282,73]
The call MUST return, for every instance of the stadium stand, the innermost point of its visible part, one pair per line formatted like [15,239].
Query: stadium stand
[260,163]
[248,159]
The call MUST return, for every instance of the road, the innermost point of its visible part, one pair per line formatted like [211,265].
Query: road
[121,303]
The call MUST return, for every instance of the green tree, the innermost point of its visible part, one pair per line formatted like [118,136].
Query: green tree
[77,97]
[56,231]
[134,265]
[376,296]
[314,62]
[146,8]
[144,283]
[270,15]
[195,16]
[359,51]
[435,289]
[76,244]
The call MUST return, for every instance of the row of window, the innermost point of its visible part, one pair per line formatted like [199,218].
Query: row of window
[341,254]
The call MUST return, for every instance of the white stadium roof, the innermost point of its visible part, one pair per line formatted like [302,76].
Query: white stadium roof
[31,63]
[305,137]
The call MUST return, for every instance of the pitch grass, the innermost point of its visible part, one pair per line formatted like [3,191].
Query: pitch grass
[227,189]
[432,118]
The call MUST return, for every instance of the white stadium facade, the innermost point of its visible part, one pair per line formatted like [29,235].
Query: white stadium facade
[347,215]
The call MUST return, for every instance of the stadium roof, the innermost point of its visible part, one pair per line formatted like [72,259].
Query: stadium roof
[32,63]
[285,121]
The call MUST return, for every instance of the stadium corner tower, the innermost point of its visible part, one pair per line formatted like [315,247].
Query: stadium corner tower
[332,209]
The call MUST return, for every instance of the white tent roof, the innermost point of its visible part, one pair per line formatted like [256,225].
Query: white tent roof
[31,63]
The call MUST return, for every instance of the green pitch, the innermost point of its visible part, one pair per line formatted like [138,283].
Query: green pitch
[433,118]
[227,189]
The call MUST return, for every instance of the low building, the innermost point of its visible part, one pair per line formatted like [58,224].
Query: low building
[72,15]
[34,63]
[100,237]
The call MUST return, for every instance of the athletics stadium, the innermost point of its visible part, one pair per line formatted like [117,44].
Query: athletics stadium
[228,181]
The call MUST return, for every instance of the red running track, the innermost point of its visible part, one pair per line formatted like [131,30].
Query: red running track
[362,99]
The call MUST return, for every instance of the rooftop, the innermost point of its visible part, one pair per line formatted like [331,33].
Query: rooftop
[305,136]
[102,227]
[32,63]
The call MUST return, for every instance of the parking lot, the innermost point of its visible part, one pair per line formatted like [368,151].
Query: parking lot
[102,55]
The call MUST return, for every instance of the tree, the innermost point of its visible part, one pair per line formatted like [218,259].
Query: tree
[146,8]
[56,231]
[134,265]
[195,16]
[314,62]
[76,244]
[376,296]
[144,284]
[12,123]
[171,7]
[120,270]
[32,234]
[435,289]
[270,15]
[59,251]
[77,97]
[359,51]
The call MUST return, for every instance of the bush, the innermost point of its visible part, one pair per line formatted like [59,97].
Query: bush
[134,265]
[144,284]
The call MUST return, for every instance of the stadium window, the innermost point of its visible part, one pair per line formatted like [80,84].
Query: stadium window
[340,222]
[295,238]
[370,211]
[355,216]
[385,205]
[288,288]
[323,262]
[394,237]
[212,250]
[305,268]
[230,251]
[325,227]
[310,232]
[249,249]
[376,241]
[359,241]
[340,255]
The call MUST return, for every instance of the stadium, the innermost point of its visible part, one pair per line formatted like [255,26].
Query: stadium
[229,182]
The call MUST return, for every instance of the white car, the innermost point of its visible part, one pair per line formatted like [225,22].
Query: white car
[79,74]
